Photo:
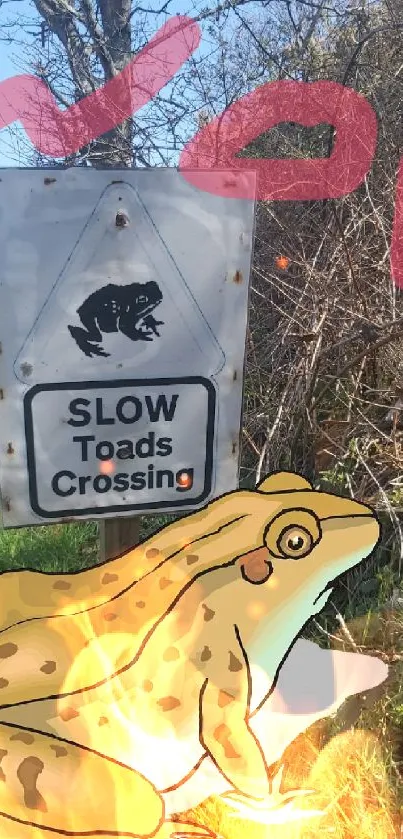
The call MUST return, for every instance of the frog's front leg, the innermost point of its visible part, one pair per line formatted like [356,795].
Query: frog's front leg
[151,323]
[129,328]
[224,728]
[87,336]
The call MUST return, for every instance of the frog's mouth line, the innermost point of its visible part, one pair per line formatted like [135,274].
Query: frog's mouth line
[147,311]
[150,308]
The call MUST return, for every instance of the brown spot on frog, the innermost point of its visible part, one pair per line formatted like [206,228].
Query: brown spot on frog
[27,773]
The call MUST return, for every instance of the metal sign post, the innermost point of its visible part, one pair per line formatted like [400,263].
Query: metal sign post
[123,317]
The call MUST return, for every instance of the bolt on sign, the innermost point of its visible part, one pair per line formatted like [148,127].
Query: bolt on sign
[124,299]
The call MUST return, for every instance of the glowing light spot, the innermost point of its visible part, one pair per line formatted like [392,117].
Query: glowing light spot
[184,480]
[282,262]
[272,582]
[256,609]
[106,467]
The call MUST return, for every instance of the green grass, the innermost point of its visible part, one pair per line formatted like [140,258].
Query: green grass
[59,548]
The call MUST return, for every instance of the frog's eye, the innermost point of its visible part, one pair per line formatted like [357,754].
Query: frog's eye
[142,299]
[293,534]
[295,542]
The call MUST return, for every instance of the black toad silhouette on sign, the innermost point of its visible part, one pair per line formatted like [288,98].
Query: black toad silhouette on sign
[117,308]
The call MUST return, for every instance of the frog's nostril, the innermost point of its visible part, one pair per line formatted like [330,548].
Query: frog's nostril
[256,567]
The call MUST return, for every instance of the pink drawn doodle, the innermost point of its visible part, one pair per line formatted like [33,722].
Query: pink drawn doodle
[60,133]
[308,103]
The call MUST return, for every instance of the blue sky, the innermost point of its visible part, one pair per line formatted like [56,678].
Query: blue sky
[12,54]
[6,63]
[9,54]
[24,9]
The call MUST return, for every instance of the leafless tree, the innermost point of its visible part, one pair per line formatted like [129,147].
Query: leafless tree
[324,348]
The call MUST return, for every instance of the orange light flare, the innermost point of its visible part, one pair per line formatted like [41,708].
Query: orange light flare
[280,809]
[185,480]
[114,720]
[346,795]
[106,467]
[256,609]
[282,262]
[341,792]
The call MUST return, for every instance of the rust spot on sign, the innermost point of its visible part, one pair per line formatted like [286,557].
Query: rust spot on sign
[48,181]
[122,219]
[26,368]
[237,278]
[10,449]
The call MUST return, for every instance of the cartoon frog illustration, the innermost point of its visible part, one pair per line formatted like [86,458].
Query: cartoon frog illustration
[248,571]
[117,308]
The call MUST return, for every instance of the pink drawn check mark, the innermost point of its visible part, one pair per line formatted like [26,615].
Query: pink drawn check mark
[60,133]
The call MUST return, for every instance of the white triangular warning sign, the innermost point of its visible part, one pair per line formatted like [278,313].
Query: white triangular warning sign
[119,306]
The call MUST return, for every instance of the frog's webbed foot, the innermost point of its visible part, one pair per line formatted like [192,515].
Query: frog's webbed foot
[151,323]
[145,333]
[274,803]
[276,807]
[185,830]
[89,348]
[139,333]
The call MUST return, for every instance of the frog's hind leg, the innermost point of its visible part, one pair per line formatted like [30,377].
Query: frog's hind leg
[88,336]
[183,830]
[50,784]
[11,828]
[53,785]
[84,343]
